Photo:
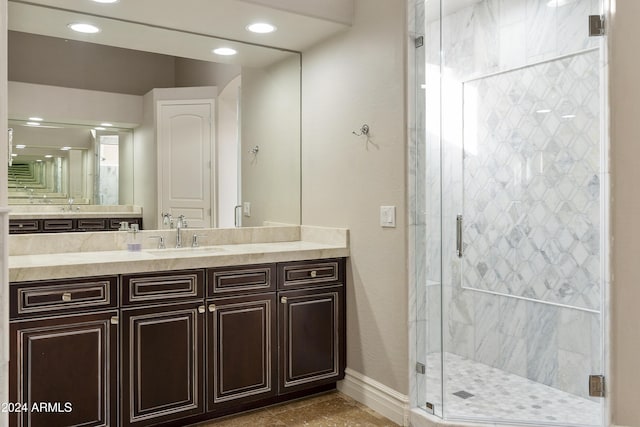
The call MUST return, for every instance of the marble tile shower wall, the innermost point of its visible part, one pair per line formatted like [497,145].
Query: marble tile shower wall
[553,345]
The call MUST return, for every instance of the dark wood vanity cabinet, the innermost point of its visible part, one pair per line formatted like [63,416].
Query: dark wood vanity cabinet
[311,319]
[176,347]
[162,353]
[162,370]
[241,339]
[64,225]
[63,366]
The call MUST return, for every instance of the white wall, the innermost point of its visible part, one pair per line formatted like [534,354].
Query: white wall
[625,156]
[270,119]
[354,78]
[227,153]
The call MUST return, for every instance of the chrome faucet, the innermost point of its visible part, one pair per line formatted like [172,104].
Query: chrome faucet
[70,201]
[180,224]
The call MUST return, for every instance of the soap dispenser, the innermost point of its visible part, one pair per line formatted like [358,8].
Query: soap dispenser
[133,242]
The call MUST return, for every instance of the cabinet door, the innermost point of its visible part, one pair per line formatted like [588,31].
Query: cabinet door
[162,363]
[64,371]
[241,339]
[312,337]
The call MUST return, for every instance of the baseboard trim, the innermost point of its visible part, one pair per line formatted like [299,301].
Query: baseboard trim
[377,396]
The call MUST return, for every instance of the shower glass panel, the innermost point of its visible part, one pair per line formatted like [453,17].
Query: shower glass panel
[510,156]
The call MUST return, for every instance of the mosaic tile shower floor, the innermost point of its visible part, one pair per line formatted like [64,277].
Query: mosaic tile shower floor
[501,396]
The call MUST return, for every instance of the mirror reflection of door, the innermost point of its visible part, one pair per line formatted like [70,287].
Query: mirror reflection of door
[185,159]
[107,172]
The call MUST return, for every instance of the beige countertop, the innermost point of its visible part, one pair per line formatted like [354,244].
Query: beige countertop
[78,211]
[27,267]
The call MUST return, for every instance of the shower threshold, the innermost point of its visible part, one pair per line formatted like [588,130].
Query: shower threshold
[475,391]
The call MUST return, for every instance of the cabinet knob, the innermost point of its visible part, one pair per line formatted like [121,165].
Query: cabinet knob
[201,309]
[114,320]
[313,273]
[212,308]
[283,300]
[66,297]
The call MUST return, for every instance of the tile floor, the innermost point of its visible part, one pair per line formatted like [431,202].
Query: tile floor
[501,396]
[330,409]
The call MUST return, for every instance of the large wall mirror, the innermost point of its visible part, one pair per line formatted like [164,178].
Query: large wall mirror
[146,115]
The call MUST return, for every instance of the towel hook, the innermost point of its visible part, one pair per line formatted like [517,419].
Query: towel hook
[254,150]
[364,130]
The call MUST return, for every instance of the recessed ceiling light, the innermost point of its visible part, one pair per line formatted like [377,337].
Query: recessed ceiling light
[106,1]
[261,28]
[225,51]
[65,148]
[99,128]
[106,124]
[39,160]
[20,146]
[33,124]
[35,119]
[48,156]
[84,28]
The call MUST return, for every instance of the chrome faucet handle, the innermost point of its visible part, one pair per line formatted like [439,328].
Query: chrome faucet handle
[182,221]
[167,219]
[194,241]
[161,244]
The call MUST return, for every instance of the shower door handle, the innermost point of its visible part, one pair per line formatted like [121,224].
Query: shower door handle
[459,236]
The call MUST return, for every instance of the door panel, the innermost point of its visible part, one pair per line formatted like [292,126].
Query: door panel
[241,336]
[185,141]
[69,364]
[162,364]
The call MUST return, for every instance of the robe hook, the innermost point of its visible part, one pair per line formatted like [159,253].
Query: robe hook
[364,130]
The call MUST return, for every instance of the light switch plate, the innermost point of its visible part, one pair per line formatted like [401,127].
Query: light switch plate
[387,216]
[246,208]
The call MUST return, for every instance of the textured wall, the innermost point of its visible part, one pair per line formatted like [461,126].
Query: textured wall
[354,78]
[625,164]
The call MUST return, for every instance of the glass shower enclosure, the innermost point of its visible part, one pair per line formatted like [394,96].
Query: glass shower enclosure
[510,202]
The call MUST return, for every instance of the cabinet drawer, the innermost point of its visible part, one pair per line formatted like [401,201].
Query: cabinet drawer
[24,226]
[92,224]
[53,225]
[227,280]
[310,273]
[69,295]
[167,287]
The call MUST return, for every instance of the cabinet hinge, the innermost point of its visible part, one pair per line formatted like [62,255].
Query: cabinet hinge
[596,25]
[596,385]
[420,368]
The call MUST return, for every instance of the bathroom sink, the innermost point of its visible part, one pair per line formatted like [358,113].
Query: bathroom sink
[173,252]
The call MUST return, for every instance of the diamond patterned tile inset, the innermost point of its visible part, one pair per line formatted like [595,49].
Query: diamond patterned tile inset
[532,182]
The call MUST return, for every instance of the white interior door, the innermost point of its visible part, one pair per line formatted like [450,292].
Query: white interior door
[184,155]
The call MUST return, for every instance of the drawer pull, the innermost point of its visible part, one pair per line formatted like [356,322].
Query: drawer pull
[283,300]
[201,309]
[313,273]
[114,320]
[66,297]
[212,308]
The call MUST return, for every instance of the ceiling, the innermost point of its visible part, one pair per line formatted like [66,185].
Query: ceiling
[201,24]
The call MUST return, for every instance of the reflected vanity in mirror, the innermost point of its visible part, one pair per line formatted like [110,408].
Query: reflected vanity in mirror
[141,120]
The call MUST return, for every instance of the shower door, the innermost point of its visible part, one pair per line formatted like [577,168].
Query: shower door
[522,199]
